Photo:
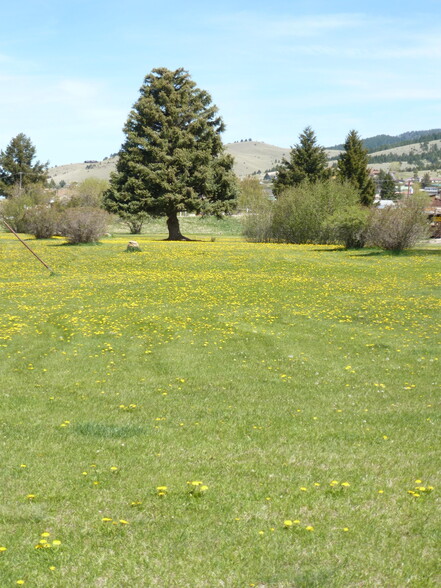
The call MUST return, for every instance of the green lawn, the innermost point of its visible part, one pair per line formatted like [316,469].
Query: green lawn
[300,385]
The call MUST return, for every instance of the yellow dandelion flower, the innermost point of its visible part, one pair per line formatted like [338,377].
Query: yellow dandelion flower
[287,523]
[106,519]
[124,522]
[56,542]
[309,528]
[2,548]
[345,484]
[45,534]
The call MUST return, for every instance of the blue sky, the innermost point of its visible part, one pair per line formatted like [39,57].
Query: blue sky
[71,70]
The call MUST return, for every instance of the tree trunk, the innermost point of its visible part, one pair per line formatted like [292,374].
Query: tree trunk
[174,232]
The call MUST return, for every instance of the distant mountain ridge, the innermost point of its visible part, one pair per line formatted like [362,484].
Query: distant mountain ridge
[384,142]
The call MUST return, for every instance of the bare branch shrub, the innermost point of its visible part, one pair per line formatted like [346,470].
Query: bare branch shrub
[41,221]
[399,227]
[83,224]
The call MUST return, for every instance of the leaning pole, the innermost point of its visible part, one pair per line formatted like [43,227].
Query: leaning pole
[27,247]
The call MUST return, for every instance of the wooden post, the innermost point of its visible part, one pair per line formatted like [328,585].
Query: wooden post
[27,246]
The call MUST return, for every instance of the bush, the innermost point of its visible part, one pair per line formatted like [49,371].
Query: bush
[301,213]
[41,221]
[349,226]
[399,227]
[258,211]
[83,224]
[134,221]
[89,193]
[15,209]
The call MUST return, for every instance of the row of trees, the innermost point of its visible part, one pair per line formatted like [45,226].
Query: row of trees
[318,204]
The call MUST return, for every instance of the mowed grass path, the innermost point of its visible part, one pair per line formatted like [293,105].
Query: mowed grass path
[299,384]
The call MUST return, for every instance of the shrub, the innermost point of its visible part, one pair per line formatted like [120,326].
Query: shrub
[15,209]
[399,227]
[83,224]
[134,221]
[41,221]
[301,213]
[349,226]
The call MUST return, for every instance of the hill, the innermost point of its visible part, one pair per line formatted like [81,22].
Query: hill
[251,157]
[385,142]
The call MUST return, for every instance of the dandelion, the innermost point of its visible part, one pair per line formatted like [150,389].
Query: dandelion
[106,519]
[287,524]
[345,484]
[345,529]
[309,528]
[123,522]
[56,542]
[30,496]
[2,548]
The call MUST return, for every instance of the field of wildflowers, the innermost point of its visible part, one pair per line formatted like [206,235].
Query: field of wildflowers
[219,414]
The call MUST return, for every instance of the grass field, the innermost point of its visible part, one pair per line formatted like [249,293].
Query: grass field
[219,414]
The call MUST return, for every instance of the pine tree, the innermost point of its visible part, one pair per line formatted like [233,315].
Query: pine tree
[387,186]
[352,165]
[172,159]
[308,161]
[17,167]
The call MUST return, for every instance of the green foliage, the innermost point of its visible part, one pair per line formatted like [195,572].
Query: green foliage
[352,166]
[308,161]
[89,193]
[300,215]
[172,159]
[426,180]
[399,227]
[134,222]
[387,186]
[251,194]
[15,209]
[348,225]
[258,221]
[17,166]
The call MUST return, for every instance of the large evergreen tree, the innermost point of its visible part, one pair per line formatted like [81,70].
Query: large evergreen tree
[352,165]
[307,161]
[17,166]
[172,159]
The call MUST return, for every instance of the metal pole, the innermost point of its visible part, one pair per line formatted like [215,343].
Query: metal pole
[27,246]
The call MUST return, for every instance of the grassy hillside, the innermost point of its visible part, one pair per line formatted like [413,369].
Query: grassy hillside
[219,413]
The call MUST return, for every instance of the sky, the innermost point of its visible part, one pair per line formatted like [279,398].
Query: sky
[70,70]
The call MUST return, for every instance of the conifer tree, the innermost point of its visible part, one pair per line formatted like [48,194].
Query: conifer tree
[387,186]
[17,166]
[172,159]
[308,161]
[352,165]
